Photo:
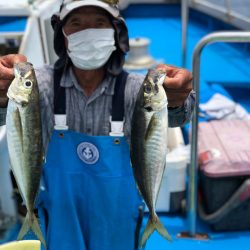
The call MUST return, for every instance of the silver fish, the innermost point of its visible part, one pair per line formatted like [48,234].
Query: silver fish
[24,139]
[149,145]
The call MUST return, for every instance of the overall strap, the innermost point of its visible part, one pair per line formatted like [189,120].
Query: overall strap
[59,93]
[117,114]
[118,98]
[59,99]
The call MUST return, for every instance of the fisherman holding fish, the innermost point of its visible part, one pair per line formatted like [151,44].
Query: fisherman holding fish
[88,197]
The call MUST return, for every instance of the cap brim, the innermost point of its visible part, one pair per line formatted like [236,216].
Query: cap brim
[113,10]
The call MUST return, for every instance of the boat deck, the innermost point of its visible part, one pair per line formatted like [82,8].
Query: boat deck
[216,241]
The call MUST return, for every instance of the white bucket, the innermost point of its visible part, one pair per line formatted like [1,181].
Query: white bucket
[7,204]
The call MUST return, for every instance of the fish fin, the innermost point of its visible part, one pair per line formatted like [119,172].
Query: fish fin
[25,228]
[152,123]
[152,225]
[31,222]
[162,230]
[150,228]
[18,125]
[37,230]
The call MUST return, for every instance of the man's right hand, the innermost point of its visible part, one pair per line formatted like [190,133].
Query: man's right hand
[7,74]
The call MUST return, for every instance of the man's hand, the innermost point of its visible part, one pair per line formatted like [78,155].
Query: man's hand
[7,74]
[6,69]
[178,84]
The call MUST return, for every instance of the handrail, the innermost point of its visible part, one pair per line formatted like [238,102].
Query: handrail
[184,21]
[228,7]
[232,36]
[224,12]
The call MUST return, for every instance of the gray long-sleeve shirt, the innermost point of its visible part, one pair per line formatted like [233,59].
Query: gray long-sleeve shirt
[91,115]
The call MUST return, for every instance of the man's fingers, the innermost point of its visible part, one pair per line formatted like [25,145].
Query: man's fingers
[10,59]
[5,73]
[7,63]
[170,69]
[177,78]
[180,83]
[177,84]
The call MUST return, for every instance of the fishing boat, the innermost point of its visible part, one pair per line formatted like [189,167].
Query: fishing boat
[211,38]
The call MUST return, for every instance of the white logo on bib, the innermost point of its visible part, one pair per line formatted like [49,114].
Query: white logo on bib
[88,152]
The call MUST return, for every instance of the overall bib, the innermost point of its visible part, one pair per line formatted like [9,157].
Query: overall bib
[90,200]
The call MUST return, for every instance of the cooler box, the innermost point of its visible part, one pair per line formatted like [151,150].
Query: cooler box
[224,166]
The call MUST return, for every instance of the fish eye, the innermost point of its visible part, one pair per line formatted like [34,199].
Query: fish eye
[147,88]
[27,84]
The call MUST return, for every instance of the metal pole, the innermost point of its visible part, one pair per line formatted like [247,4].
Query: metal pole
[184,19]
[234,36]
[228,7]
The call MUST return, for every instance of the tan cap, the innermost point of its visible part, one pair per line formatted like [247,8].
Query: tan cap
[110,6]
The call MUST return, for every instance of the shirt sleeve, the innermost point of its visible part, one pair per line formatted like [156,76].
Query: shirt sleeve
[180,116]
[3,112]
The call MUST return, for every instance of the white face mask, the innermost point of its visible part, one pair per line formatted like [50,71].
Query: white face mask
[91,48]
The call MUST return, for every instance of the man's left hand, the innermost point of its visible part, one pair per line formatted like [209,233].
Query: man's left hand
[178,84]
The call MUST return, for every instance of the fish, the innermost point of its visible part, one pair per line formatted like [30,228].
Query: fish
[24,141]
[148,146]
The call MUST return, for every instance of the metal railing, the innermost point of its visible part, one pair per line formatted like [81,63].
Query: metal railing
[227,5]
[184,21]
[231,12]
[236,37]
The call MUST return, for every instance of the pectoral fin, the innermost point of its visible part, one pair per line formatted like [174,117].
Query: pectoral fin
[18,126]
[153,123]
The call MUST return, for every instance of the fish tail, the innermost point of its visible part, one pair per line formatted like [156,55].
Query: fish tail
[152,225]
[37,230]
[31,222]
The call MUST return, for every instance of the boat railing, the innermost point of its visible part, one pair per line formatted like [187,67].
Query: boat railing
[215,37]
[233,13]
[184,21]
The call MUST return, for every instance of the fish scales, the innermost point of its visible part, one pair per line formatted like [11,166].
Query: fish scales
[24,139]
[26,154]
[151,178]
[149,145]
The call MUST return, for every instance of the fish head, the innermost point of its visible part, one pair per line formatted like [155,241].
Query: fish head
[154,96]
[21,88]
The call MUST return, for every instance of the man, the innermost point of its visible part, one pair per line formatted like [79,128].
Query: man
[90,199]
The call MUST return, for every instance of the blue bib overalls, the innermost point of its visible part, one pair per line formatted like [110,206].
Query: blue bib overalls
[90,200]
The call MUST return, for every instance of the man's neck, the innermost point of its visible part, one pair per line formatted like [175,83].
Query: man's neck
[89,80]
